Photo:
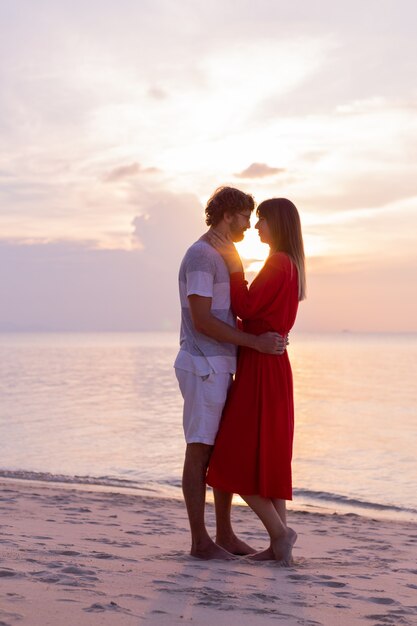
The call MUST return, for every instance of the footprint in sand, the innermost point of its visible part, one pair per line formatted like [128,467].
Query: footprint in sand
[299,577]
[345,594]
[13,617]
[101,608]
[78,571]
[7,573]
[396,617]
[41,537]
[382,600]
[103,555]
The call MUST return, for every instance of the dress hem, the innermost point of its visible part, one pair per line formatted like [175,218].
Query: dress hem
[244,492]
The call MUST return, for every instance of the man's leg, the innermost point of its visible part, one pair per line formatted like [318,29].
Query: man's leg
[197,457]
[225,536]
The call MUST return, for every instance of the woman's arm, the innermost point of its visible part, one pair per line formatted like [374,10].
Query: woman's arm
[249,302]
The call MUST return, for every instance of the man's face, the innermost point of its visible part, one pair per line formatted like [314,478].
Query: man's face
[240,222]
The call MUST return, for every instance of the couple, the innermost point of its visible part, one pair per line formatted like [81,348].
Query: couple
[249,419]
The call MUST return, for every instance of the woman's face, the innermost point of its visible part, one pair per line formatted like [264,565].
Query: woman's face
[263,231]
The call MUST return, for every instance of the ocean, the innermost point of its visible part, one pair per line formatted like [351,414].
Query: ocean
[104,410]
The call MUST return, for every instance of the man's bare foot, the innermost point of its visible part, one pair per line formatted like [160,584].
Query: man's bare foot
[210,550]
[235,546]
[282,547]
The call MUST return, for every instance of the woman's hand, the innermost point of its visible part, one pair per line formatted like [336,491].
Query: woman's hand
[226,249]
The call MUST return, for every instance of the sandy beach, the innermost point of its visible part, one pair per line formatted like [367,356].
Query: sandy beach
[72,556]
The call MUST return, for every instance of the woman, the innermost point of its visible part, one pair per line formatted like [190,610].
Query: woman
[253,449]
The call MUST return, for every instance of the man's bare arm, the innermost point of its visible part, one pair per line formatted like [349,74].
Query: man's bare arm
[205,322]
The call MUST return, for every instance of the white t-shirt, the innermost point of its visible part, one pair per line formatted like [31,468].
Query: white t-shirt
[204,273]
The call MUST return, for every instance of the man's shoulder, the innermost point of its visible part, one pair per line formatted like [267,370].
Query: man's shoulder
[202,246]
[202,258]
[201,252]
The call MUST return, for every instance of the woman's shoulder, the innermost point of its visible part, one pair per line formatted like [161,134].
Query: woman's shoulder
[279,260]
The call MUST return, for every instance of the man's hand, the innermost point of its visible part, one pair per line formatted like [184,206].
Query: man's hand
[205,322]
[271,343]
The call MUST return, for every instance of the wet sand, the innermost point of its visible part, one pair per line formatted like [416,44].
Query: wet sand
[77,557]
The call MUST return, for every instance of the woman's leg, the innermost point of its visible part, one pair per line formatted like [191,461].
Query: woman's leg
[281,508]
[281,537]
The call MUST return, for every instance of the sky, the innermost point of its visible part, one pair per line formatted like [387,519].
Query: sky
[119,119]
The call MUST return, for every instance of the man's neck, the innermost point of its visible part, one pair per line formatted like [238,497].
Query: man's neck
[221,228]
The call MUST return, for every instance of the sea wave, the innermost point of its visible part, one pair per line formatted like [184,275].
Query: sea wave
[351,503]
[172,488]
[100,481]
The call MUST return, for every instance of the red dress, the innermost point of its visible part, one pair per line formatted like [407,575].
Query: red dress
[253,449]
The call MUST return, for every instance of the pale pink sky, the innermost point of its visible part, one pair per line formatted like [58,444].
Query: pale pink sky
[118,120]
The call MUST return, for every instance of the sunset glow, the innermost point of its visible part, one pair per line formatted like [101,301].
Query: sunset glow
[103,125]
[252,248]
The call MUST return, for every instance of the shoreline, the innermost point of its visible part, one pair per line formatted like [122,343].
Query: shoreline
[300,503]
[71,555]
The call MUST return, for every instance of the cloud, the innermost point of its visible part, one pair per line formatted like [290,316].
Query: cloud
[356,190]
[74,286]
[128,171]
[157,93]
[364,239]
[259,170]
[167,224]
[111,99]
[64,286]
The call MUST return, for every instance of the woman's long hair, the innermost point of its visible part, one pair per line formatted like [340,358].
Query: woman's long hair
[285,226]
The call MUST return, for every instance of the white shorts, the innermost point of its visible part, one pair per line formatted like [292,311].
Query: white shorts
[204,398]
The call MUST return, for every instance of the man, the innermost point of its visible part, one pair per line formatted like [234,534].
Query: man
[206,363]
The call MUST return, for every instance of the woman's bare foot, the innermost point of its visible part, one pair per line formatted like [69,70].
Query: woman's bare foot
[265,555]
[282,547]
[292,535]
[269,555]
[210,550]
[235,546]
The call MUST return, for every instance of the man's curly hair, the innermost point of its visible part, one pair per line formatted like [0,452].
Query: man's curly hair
[227,200]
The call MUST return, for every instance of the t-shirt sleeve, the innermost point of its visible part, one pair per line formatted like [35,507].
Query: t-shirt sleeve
[199,275]
[250,302]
